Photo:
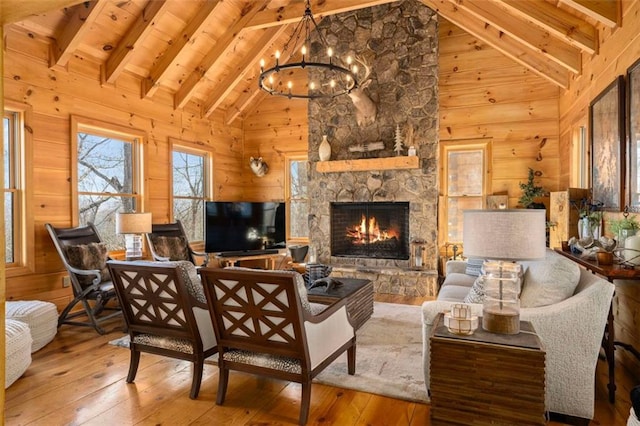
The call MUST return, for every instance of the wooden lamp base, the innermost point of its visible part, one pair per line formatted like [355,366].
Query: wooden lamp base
[501,321]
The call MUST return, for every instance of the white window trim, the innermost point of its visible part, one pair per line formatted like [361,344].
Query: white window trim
[288,159]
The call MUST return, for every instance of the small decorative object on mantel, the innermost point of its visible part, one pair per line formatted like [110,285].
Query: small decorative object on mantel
[411,152]
[258,166]
[367,147]
[460,321]
[418,256]
[398,147]
[324,150]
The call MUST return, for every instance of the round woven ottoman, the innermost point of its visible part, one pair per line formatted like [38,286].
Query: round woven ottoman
[41,317]
[18,350]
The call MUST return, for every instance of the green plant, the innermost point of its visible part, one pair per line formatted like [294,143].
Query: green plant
[625,223]
[529,190]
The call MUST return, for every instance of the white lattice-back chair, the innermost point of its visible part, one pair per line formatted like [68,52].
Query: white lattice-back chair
[265,326]
[165,309]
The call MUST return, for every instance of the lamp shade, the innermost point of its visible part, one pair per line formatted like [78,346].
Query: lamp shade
[517,234]
[133,223]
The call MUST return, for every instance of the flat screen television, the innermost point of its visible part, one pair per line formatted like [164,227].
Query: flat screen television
[244,226]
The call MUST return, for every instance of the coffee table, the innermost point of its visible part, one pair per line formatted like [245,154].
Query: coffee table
[359,295]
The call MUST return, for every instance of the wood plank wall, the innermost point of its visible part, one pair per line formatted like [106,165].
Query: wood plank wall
[485,95]
[54,96]
[619,48]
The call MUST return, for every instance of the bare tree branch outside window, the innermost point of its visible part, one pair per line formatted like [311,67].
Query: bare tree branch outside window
[189,192]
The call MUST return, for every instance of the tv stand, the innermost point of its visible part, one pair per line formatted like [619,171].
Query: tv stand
[247,252]
[273,258]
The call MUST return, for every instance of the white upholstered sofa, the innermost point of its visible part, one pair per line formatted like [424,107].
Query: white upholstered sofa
[571,329]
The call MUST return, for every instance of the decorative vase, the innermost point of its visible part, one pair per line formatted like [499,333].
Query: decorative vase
[324,150]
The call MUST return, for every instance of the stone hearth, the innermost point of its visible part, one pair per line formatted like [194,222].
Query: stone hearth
[400,42]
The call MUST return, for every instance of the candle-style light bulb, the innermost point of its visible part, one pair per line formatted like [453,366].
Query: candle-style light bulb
[277,57]
[332,83]
[271,80]
[312,85]
[303,50]
[329,52]
[289,85]
[354,69]
[349,60]
[261,65]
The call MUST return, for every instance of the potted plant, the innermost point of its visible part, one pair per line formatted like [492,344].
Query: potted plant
[623,228]
[530,191]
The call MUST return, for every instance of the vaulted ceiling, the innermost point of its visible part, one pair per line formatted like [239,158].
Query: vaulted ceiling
[204,54]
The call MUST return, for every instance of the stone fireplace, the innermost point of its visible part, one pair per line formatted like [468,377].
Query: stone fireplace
[400,42]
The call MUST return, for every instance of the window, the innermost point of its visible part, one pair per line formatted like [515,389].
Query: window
[465,181]
[108,176]
[190,172]
[12,187]
[296,198]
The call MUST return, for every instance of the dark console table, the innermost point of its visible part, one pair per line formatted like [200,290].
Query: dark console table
[610,273]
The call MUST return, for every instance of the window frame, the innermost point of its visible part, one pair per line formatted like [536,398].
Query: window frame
[136,137]
[447,147]
[25,235]
[288,159]
[188,148]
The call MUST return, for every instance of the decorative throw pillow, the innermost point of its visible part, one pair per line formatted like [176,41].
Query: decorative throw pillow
[474,266]
[89,256]
[175,248]
[549,281]
[477,293]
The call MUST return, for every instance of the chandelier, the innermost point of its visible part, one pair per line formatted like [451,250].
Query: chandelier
[323,79]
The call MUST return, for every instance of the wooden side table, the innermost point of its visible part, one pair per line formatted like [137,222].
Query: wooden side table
[487,378]
[359,295]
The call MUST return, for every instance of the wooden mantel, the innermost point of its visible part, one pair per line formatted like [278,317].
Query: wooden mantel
[387,163]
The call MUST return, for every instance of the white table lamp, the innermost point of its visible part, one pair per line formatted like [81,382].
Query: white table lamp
[133,225]
[498,236]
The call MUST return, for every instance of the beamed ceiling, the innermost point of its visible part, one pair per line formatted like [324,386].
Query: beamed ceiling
[204,55]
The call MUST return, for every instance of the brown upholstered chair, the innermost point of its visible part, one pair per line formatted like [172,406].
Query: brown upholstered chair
[84,256]
[264,325]
[166,313]
[168,241]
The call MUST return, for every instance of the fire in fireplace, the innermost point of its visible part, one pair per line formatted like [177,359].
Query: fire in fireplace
[374,230]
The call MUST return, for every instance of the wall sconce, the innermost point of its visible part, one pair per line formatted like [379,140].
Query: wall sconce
[132,225]
[418,256]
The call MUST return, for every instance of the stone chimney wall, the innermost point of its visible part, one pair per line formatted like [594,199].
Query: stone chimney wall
[400,42]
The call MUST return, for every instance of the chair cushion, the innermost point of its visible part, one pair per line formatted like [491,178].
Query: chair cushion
[175,248]
[549,281]
[89,256]
[17,357]
[273,362]
[191,279]
[40,316]
[164,342]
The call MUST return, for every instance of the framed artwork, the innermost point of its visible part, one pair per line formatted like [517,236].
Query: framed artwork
[606,121]
[633,130]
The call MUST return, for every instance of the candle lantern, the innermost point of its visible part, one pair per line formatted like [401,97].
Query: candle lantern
[418,258]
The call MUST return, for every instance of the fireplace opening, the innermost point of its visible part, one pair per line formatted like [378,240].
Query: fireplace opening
[374,230]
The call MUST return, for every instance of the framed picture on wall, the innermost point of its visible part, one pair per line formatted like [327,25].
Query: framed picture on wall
[633,131]
[606,122]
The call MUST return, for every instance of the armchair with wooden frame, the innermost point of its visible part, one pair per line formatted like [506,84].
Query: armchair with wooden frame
[166,313]
[168,241]
[84,256]
[265,325]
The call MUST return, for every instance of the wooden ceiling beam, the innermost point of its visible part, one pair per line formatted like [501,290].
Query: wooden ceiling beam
[293,12]
[606,12]
[504,43]
[17,10]
[224,43]
[247,64]
[70,37]
[558,22]
[520,29]
[123,52]
[170,57]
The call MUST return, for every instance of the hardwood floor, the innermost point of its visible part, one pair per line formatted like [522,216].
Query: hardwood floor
[80,379]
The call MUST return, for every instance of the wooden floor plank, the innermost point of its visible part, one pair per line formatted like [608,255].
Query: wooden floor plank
[79,379]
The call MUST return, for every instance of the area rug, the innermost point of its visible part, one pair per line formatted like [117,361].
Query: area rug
[388,355]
